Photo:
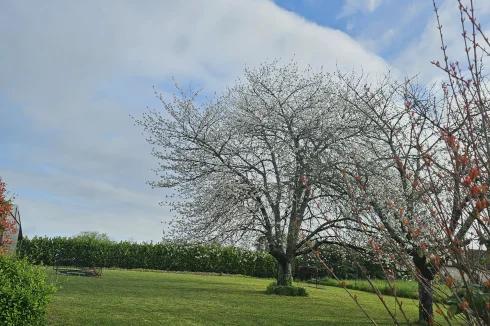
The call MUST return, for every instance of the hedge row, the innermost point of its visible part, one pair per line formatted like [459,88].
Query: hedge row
[192,258]
[342,260]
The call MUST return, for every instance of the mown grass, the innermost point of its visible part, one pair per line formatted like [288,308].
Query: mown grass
[404,289]
[156,298]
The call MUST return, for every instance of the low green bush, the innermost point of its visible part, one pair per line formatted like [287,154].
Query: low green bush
[24,292]
[292,291]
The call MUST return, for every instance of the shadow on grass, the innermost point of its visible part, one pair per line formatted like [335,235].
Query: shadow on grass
[86,272]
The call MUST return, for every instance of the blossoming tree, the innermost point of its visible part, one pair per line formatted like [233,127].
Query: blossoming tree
[237,161]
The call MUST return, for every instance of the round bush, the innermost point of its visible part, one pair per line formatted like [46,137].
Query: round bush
[24,292]
[292,291]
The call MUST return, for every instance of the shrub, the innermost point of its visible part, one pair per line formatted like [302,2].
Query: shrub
[292,291]
[24,292]
[475,296]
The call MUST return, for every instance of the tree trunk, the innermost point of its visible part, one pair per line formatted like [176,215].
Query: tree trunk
[426,276]
[285,271]
[426,311]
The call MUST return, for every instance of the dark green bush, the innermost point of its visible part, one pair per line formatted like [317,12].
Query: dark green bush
[159,256]
[292,291]
[24,292]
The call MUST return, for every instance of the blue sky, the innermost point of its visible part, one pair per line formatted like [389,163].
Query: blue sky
[377,24]
[72,72]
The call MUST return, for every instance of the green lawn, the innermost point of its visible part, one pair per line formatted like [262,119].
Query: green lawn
[404,289]
[156,298]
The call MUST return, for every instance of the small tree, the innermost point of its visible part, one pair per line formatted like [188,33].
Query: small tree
[93,235]
[460,209]
[387,178]
[238,161]
[437,207]
[6,226]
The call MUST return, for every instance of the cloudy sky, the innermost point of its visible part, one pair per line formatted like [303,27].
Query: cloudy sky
[71,73]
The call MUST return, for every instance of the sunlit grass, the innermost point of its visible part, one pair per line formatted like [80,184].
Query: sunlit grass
[156,298]
[404,289]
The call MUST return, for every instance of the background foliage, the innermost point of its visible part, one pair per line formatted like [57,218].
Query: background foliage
[172,257]
[181,257]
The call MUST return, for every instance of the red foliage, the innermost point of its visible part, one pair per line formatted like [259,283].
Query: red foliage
[5,225]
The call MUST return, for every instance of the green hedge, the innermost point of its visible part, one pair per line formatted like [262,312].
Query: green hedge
[172,257]
[24,292]
[191,258]
[342,261]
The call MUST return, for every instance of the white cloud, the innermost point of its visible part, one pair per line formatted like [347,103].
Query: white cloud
[59,55]
[417,56]
[379,43]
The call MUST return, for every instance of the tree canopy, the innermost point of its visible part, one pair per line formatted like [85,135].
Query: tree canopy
[240,161]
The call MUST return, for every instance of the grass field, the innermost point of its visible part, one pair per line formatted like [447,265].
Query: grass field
[156,298]
[404,289]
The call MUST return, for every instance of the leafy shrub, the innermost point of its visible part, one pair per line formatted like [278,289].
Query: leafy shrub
[292,291]
[24,292]
[270,288]
[474,296]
